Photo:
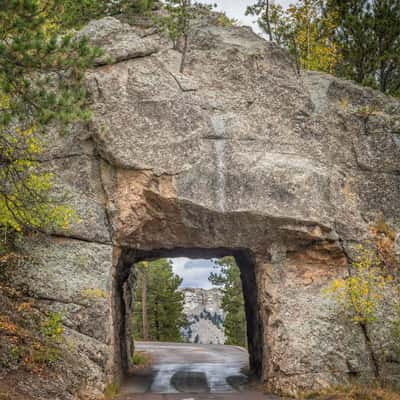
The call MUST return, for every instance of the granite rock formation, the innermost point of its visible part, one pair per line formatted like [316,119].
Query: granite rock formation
[237,156]
[203,309]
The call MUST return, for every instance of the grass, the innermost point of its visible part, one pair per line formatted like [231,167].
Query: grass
[111,391]
[141,359]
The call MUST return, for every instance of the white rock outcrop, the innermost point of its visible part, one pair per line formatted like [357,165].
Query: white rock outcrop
[205,316]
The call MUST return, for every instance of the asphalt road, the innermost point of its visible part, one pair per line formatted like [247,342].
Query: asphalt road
[191,372]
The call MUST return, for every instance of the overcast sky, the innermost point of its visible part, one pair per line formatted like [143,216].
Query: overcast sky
[236,8]
[195,273]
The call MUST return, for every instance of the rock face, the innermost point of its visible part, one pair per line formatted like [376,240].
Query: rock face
[205,316]
[237,156]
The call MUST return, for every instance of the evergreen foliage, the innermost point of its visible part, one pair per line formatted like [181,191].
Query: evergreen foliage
[177,25]
[368,34]
[353,39]
[262,9]
[77,13]
[215,318]
[41,84]
[164,303]
[232,301]
[137,7]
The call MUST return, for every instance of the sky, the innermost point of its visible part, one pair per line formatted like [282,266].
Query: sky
[195,273]
[236,9]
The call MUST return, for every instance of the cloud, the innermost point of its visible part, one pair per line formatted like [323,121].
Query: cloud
[194,272]
[198,264]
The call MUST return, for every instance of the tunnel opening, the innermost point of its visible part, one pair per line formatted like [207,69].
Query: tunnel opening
[126,279]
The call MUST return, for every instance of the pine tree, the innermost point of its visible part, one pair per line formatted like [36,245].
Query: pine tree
[77,13]
[136,7]
[232,301]
[354,39]
[368,33]
[41,84]
[262,8]
[177,26]
[164,303]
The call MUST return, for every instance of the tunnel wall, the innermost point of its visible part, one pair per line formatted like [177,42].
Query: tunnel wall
[253,312]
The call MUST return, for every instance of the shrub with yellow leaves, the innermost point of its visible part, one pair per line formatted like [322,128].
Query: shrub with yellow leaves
[94,294]
[25,192]
[41,83]
[361,294]
[363,290]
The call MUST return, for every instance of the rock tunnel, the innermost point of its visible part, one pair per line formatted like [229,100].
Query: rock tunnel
[125,281]
[241,156]
[238,156]
[284,266]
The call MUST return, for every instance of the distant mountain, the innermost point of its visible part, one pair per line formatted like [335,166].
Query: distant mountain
[206,318]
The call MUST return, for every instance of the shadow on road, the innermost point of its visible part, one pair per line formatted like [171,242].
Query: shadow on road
[189,369]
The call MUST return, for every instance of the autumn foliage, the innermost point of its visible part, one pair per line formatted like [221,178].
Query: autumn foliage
[29,339]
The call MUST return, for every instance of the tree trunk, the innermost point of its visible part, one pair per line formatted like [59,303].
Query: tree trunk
[184,51]
[157,322]
[375,362]
[296,57]
[186,4]
[144,306]
[267,20]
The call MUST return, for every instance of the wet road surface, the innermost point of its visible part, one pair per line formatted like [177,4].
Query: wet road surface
[247,395]
[191,371]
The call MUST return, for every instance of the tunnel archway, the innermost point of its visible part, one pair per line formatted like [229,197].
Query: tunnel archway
[125,281]
[286,262]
